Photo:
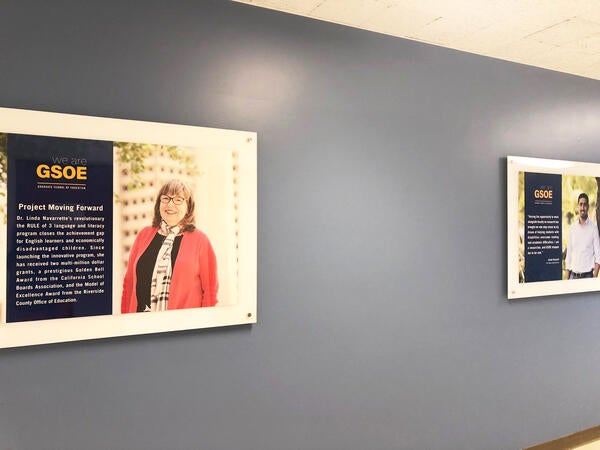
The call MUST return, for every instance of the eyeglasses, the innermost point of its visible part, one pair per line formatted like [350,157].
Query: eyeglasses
[165,199]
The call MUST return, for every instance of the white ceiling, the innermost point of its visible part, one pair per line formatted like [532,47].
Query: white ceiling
[562,35]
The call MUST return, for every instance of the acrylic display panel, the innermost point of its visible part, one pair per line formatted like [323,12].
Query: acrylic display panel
[552,232]
[79,196]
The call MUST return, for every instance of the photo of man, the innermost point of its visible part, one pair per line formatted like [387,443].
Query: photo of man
[583,247]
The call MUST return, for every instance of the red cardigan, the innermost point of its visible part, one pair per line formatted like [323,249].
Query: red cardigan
[194,282]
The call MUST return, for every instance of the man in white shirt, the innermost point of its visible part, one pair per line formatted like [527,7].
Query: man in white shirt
[583,248]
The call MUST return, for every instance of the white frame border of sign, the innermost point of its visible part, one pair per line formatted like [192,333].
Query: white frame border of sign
[515,165]
[243,311]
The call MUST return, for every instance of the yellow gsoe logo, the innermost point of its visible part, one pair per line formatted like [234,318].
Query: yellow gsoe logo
[58,172]
[542,193]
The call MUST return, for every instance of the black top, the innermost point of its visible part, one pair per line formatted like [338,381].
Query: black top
[145,268]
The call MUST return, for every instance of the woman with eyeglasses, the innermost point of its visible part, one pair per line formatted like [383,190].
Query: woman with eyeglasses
[172,264]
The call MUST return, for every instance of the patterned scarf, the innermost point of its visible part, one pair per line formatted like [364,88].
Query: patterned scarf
[161,276]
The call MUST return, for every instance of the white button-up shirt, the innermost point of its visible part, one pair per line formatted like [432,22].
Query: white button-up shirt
[583,248]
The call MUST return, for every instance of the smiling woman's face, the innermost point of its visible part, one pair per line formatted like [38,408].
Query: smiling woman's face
[173,208]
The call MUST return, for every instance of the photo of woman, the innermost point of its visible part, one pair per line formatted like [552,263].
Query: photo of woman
[180,205]
[172,264]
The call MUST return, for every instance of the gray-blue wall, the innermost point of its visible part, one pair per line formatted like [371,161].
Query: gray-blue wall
[383,318]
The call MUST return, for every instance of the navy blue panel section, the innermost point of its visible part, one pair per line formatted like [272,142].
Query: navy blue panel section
[59,250]
[543,231]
